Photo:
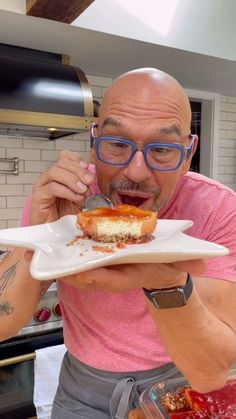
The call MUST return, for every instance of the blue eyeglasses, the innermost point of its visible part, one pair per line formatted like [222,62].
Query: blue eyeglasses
[158,156]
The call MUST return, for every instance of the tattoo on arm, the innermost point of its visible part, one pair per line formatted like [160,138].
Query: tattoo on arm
[5,280]
[5,308]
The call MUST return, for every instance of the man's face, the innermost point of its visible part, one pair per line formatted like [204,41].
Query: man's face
[142,118]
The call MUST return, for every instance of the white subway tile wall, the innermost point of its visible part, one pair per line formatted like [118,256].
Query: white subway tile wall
[37,154]
[227,142]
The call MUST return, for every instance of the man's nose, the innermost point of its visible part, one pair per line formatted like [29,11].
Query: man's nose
[137,170]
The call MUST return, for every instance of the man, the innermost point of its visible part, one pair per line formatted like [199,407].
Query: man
[118,341]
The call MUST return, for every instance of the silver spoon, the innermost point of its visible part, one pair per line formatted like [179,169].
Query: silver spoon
[95,201]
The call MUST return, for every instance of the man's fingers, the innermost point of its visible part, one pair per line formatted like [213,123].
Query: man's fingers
[71,155]
[195,267]
[79,170]
[72,174]
[100,279]
[28,255]
[121,278]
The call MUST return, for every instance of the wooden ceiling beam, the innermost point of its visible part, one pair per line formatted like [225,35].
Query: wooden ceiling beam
[60,10]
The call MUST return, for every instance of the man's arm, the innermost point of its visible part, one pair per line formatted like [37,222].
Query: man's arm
[201,336]
[53,195]
[19,293]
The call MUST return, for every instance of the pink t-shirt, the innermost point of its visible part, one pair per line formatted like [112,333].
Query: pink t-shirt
[115,332]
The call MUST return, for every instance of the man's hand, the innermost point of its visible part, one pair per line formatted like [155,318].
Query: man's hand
[56,189]
[122,278]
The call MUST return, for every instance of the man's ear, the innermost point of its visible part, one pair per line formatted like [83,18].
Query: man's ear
[194,147]
[92,155]
[187,163]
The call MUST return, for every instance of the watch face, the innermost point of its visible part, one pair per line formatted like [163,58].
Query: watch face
[169,299]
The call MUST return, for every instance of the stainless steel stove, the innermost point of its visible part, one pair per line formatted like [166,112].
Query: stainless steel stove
[47,315]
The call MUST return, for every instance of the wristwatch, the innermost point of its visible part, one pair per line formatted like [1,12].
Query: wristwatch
[170,297]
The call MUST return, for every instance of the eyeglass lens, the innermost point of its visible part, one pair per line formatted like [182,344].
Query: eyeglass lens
[157,156]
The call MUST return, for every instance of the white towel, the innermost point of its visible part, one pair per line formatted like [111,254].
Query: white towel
[47,366]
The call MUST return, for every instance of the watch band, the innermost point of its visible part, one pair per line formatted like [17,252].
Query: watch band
[170,297]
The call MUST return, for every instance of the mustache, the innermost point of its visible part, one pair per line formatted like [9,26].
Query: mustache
[131,186]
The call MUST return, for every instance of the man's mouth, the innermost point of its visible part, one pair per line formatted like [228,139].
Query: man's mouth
[135,200]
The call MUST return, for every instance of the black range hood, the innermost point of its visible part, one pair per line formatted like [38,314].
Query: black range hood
[40,96]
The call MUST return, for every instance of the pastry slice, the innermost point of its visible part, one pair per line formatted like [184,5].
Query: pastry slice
[123,223]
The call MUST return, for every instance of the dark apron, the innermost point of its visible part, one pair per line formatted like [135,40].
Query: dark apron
[89,393]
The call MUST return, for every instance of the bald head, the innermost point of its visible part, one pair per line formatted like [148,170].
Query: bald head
[147,85]
[154,74]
